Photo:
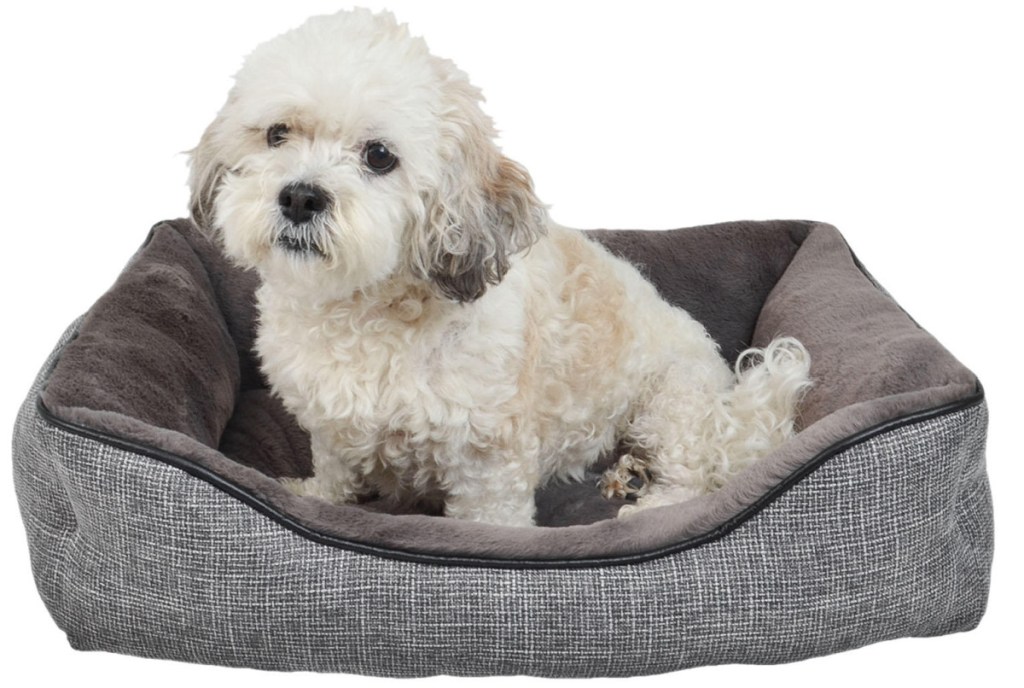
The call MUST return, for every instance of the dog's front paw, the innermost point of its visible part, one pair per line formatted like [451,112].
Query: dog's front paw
[658,495]
[334,492]
[303,487]
[627,510]
[627,479]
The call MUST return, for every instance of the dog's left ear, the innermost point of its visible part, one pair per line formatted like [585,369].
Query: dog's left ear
[484,210]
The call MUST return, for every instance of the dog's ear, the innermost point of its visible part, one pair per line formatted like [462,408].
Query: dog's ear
[206,172]
[484,210]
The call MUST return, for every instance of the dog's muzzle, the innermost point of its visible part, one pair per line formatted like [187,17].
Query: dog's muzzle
[303,207]
[302,202]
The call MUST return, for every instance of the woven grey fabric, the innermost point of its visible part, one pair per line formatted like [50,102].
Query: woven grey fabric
[889,538]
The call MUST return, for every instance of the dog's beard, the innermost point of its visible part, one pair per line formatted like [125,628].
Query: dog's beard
[305,240]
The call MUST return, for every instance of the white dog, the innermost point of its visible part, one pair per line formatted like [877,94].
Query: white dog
[437,335]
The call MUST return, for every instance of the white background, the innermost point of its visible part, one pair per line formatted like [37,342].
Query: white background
[898,122]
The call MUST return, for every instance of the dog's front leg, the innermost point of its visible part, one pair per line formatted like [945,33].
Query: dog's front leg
[496,488]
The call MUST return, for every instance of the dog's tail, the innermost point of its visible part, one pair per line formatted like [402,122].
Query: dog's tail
[762,406]
[732,429]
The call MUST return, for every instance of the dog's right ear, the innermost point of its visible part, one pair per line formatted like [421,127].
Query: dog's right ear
[483,209]
[206,172]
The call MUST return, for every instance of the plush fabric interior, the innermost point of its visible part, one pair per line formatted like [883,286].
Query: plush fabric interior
[164,359]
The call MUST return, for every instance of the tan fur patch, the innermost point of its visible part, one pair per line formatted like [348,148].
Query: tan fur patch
[598,306]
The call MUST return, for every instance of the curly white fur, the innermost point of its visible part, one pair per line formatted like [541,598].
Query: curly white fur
[437,335]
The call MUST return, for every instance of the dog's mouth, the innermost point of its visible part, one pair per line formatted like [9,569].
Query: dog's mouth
[300,240]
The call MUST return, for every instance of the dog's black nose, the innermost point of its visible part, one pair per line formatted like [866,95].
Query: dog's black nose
[301,202]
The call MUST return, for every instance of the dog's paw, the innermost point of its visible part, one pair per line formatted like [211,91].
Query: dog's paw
[630,478]
[657,496]
[627,510]
[303,487]
[336,488]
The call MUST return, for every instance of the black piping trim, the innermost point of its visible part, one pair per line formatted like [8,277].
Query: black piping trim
[263,507]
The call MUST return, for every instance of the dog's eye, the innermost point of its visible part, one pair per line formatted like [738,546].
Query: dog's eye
[378,158]
[276,135]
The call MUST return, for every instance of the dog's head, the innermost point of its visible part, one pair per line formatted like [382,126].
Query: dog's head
[347,154]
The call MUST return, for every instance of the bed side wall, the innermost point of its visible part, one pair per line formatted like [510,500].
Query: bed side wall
[46,509]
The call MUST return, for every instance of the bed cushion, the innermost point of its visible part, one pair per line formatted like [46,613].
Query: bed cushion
[151,437]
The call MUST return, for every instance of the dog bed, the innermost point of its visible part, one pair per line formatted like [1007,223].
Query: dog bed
[146,455]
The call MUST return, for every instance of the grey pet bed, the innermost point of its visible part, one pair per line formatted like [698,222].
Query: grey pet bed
[147,451]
